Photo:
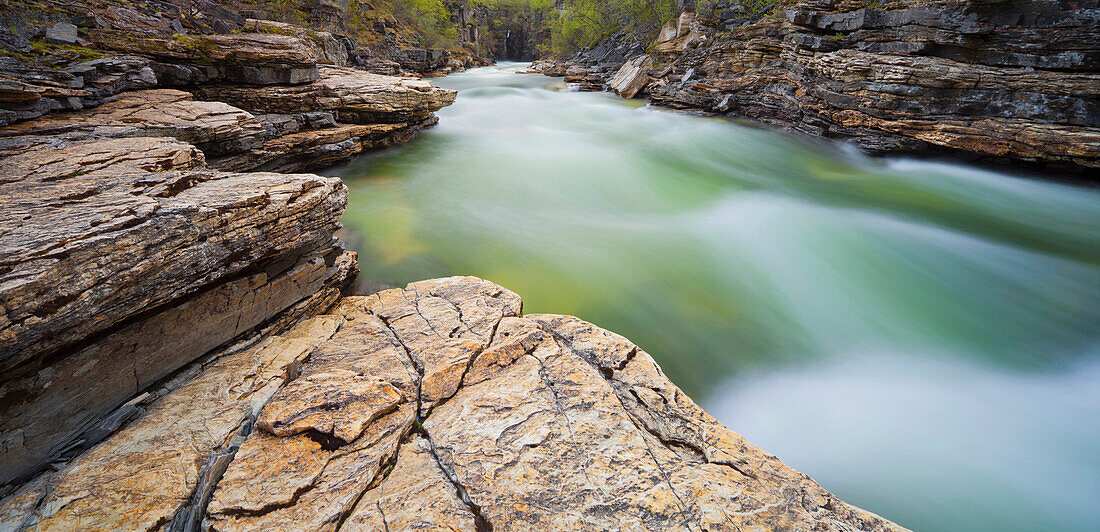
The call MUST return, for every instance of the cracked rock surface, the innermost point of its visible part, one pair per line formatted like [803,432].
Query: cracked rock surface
[438,406]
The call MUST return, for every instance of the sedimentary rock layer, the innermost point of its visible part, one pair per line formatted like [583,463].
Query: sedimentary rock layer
[434,406]
[122,259]
[1009,80]
[356,97]
[1000,79]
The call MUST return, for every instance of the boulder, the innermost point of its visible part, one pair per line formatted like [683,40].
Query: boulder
[632,77]
[434,406]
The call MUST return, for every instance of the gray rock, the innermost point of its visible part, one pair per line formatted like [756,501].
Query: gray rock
[221,27]
[177,26]
[61,33]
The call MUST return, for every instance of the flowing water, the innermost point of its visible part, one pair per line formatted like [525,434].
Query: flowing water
[919,337]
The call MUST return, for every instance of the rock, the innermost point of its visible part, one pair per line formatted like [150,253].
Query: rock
[909,76]
[354,96]
[220,26]
[421,60]
[255,58]
[214,127]
[29,91]
[307,149]
[328,48]
[434,406]
[678,36]
[139,235]
[164,451]
[378,65]
[632,77]
[61,33]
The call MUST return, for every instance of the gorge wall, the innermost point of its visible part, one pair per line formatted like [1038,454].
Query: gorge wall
[1012,80]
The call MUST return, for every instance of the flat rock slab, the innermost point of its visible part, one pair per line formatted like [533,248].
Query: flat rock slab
[440,406]
[97,240]
[214,127]
[357,97]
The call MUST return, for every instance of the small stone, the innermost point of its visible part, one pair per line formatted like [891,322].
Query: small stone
[61,33]
[221,27]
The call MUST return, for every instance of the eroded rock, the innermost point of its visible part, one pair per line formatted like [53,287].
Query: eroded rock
[440,406]
[214,127]
[1004,80]
[355,96]
[108,247]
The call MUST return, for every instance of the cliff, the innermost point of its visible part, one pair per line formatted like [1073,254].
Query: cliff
[1013,80]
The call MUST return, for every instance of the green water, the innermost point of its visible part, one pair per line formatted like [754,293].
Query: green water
[919,337]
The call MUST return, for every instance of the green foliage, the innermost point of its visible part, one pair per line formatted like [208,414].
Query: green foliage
[583,23]
[432,20]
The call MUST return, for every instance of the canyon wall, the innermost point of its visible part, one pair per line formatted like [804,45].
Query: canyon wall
[1012,80]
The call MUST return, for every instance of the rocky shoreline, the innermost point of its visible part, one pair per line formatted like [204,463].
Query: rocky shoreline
[1000,81]
[181,348]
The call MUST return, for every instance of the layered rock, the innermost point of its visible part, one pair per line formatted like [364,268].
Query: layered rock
[29,91]
[354,96]
[1010,80]
[109,245]
[434,406]
[1005,80]
[214,127]
[632,77]
[257,58]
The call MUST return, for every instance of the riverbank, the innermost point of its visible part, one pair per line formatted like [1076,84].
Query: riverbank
[181,348]
[902,311]
[1007,82]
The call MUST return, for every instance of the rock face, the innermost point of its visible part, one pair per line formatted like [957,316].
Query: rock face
[354,96]
[434,406]
[214,127]
[1011,80]
[109,245]
[1005,80]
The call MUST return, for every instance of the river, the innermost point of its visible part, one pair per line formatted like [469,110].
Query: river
[919,337]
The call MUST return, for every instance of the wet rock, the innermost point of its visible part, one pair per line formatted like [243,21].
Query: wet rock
[61,33]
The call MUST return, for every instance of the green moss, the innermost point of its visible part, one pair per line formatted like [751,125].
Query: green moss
[201,46]
[42,51]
